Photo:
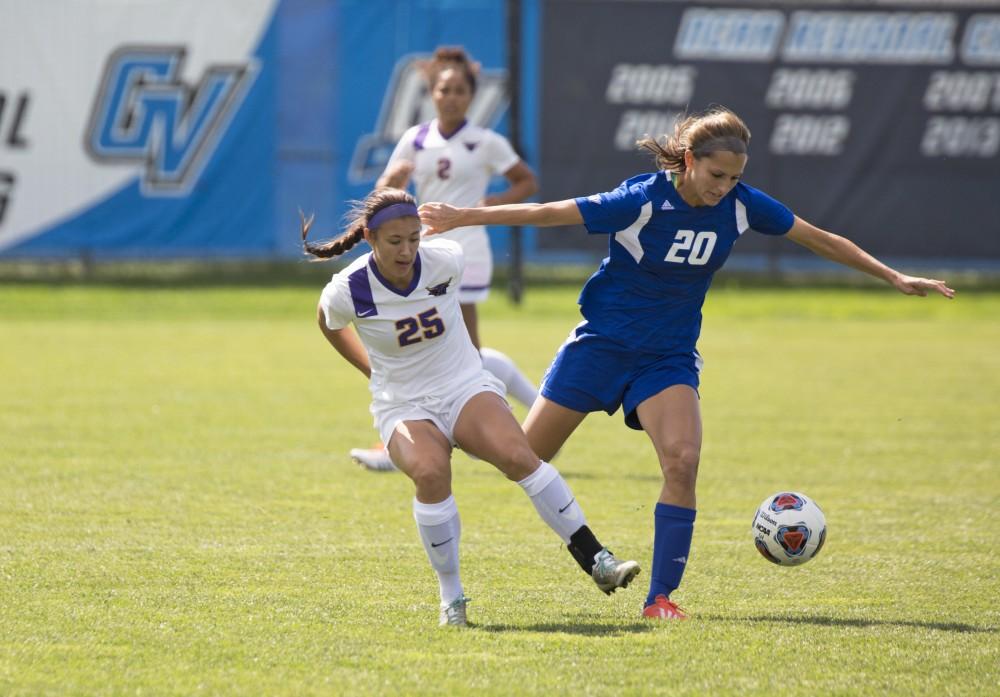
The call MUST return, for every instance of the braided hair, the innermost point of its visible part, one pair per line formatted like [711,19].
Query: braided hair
[359,216]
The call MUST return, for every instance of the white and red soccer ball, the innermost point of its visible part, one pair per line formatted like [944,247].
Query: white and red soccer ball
[789,528]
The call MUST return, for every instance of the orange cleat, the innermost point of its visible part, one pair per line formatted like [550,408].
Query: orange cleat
[663,608]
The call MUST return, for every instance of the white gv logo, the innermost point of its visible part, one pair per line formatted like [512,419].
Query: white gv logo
[407,102]
[145,115]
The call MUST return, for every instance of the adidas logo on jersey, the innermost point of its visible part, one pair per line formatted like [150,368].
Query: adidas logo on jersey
[667,206]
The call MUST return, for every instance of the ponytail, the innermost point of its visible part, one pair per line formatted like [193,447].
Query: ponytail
[359,216]
[717,129]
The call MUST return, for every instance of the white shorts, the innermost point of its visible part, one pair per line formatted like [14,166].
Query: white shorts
[442,412]
[475,284]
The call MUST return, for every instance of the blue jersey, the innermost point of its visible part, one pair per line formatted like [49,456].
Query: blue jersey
[649,291]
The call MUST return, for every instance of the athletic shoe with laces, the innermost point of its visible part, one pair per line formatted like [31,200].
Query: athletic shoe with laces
[375,459]
[453,614]
[663,608]
[610,573]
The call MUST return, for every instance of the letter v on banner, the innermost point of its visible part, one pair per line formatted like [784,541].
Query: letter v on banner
[144,114]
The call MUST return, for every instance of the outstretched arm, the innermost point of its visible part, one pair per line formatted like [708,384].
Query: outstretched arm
[843,251]
[347,344]
[440,217]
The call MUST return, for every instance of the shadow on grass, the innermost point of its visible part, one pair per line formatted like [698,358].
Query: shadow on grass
[490,471]
[652,477]
[591,629]
[958,627]
[583,628]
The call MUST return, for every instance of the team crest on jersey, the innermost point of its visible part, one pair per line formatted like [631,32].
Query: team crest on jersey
[440,288]
[407,102]
[145,114]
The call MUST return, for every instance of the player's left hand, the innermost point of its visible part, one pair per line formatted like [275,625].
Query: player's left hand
[438,217]
[914,285]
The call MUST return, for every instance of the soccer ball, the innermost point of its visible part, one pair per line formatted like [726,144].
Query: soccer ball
[789,528]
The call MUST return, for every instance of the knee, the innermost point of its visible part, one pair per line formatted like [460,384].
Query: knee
[679,463]
[517,462]
[429,473]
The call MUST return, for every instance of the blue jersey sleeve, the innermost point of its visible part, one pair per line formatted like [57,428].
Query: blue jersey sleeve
[612,211]
[766,215]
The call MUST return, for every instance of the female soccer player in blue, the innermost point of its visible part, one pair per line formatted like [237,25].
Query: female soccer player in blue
[636,348]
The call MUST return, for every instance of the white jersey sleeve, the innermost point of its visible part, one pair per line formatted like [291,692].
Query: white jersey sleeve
[500,156]
[335,301]
[404,149]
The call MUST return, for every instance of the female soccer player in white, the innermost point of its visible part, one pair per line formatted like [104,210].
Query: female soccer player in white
[429,388]
[669,232]
[451,160]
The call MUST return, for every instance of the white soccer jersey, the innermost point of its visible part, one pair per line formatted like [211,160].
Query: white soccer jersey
[416,339]
[457,170]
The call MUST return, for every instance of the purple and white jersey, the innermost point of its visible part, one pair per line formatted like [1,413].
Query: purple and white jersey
[416,339]
[457,168]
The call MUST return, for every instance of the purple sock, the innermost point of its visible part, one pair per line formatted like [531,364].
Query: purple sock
[671,544]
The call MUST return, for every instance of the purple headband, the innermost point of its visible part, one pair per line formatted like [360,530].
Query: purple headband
[396,210]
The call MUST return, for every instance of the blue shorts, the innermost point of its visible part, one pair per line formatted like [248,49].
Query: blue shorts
[593,373]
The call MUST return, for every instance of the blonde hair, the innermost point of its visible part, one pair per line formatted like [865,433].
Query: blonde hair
[714,130]
[359,216]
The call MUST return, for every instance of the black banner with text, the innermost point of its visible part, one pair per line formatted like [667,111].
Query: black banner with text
[878,123]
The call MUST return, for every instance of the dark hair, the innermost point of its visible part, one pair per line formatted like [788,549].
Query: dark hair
[361,212]
[714,130]
[446,57]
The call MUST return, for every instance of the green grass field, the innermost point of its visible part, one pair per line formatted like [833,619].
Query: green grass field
[178,514]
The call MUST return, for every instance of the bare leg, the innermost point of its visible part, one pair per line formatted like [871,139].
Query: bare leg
[487,429]
[672,420]
[548,426]
[423,453]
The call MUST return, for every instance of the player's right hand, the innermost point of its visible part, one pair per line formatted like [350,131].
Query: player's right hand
[438,217]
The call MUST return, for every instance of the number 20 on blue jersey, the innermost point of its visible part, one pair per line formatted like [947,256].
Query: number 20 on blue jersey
[692,247]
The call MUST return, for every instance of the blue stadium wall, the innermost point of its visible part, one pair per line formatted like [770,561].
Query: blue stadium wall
[179,128]
[161,144]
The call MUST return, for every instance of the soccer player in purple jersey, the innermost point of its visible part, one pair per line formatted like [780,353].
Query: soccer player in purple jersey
[636,348]
[430,390]
[448,159]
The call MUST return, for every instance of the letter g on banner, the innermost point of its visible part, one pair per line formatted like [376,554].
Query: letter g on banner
[144,114]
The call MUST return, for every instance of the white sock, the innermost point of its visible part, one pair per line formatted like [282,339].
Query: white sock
[554,501]
[518,386]
[440,530]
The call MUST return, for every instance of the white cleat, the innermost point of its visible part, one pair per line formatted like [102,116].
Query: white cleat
[610,573]
[374,459]
[453,614]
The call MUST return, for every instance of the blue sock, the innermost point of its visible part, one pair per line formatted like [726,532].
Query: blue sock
[671,544]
